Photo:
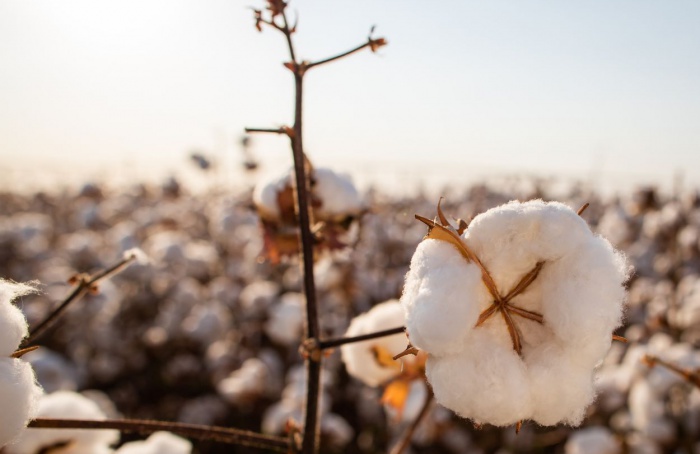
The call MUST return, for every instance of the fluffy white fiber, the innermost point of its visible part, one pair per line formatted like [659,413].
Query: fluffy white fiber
[19,391]
[65,405]
[157,443]
[475,371]
[360,358]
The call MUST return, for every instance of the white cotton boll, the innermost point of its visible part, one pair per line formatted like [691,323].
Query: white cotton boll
[615,226]
[336,431]
[592,440]
[82,449]
[157,443]
[266,191]
[578,292]
[258,295]
[247,382]
[19,395]
[337,193]
[360,358]
[435,296]
[286,321]
[647,412]
[52,370]
[13,325]
[65,405]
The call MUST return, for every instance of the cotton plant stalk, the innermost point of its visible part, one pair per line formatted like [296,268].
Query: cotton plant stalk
[515,312]
[19,392]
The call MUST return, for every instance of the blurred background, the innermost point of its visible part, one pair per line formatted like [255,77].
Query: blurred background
[605,93]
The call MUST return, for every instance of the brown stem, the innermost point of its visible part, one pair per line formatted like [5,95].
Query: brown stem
[408,435]
[339,56]
[199,432]
[330,343]
[692,376]
[267,130]
[84,284]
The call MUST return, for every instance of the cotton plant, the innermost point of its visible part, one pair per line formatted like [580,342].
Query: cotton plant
[372,362]
[19,391]
[515,311]
[335,201]
[65,405]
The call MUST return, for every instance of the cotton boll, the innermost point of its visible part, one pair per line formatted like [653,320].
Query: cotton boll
[19,395]
[442,298]
[266,192]
[286,321]
[363,360]
[577,291]
[337,193]
[647,411]
[52,370]
[248,382]
[65,405]
[592,440]
[157,443]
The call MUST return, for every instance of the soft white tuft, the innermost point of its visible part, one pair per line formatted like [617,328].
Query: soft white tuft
[13,325]
[157,443]
[19,394]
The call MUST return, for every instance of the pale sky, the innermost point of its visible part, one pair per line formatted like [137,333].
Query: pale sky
[464,88]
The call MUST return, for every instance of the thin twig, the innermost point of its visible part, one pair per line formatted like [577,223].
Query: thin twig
[692,376]
[408,435]
[339,56]
[194,431]
[331,343]
[84,284]
[267,130]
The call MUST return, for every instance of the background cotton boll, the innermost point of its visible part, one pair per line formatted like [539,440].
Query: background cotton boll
[592,440]
[370,361]
[442,298]
[250,381]
[53,371]
[64,404]
[648,415]
[286,319]
[19,395]
[485,382]
[157,443]
[337,193]
[266,192]
[258,295]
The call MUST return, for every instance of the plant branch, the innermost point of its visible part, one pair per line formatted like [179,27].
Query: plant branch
[331,343]
[268,130]
[371,43]
[692,376]
[84,283]
[199,432]
[405,441]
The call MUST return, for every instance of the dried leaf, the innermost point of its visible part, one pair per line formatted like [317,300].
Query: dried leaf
[384,358]
[396,394]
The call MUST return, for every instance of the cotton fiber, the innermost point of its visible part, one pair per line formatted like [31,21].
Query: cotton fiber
[19,391]
[568,299]
[157,443]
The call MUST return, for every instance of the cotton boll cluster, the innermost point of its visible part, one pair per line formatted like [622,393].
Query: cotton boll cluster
[335,201]
[573,282]
[18,388]
[68,405]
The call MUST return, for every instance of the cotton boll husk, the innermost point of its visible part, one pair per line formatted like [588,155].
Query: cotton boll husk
[13,325]
[485,382]
[592,440]
[19,395]
[359,357]
[442,298]
[65,405]
[157,443]
[337,193]
[561,389]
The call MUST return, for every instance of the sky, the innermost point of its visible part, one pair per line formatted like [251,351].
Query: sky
[599,91]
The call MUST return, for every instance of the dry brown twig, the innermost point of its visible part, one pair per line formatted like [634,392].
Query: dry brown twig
[690,375]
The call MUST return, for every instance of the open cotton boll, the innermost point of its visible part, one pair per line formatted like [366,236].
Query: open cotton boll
[266,192]
[370,361]
[592,440]
[559,272]
[157,443]
[64,405]
[13,325]
[19,394]
[337,193]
